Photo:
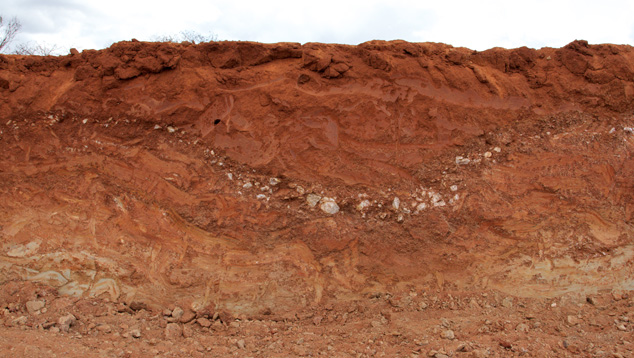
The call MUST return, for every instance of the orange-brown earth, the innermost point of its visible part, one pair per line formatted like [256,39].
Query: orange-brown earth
[318,200]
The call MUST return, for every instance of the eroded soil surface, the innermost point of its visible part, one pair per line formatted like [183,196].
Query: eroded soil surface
[388,199]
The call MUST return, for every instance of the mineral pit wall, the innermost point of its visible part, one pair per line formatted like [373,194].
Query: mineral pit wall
[264,179]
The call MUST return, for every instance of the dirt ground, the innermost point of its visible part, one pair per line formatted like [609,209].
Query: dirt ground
[434,324]
[386,199]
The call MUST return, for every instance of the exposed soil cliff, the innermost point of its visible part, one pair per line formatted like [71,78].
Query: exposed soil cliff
[270,180]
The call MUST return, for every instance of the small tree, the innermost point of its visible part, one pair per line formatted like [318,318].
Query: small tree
[35,49]
[189,36]
[8,31]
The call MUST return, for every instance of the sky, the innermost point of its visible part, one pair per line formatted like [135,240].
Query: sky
[475,24]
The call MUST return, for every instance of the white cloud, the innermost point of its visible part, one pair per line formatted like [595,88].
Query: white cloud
[475,24]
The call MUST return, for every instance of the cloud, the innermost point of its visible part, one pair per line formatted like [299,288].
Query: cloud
[475,24]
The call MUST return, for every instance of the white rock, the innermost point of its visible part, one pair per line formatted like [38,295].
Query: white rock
[487,155]
[313,199]
[260,196]
[396,203]
[437,200]
[230,176]
[364,205]
[329,206]
[453,188]
[247,185]
[421,207]
[462,161]
[171,129]
[497,149]
[274,181]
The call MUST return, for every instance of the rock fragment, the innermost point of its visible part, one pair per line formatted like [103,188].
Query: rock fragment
[312,200]
[65,322]
[329,206]
[363,205]
[173,331]
[448,334]
[204,322]
[241,344]
[572,320]
[396,203]
[177,313]
[462,161]
[187,316]
[34,307]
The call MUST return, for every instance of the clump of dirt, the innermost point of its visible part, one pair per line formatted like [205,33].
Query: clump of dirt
[339,194]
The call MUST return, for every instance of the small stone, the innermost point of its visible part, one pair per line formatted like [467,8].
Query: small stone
[497,149]
[188,332]
[522,327]
[135,333]
[621,327]
[474,304]
[177,313]
[312,200]
[65,322]
[54,329]
[396,203]
[34,307]
[173,331]
[105,328]
[421,207]
[487,154]
[462,161]
[247,185]
[448,334]
[240,344]
[274,181]
[171,129]
[507,302]
[204,322]
[453,188]
[74,52]
[400,218]
[167,312]
[187,316]
[329,206]
[572,320]
[506,344]
[20,321]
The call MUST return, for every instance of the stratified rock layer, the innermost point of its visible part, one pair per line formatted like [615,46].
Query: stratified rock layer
[163,173]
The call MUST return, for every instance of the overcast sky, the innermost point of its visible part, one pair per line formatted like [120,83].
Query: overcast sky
[476,24]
